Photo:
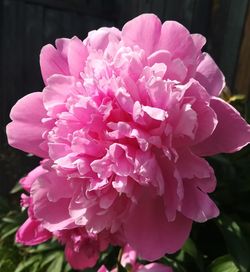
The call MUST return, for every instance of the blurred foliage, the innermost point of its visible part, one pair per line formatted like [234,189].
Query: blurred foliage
[220,245]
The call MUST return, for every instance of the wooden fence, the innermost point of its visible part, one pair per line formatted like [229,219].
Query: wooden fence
[27,25]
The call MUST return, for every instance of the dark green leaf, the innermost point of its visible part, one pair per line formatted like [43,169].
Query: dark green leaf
[50,258]
[190,248]
[26,263]
[236,243]
[56,265]
[9,233]
[223,264]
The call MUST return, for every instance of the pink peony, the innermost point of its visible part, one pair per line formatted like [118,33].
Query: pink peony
[123,124]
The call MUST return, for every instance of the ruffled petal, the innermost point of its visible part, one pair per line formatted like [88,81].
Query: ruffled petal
[59,88]
[100,39]
[46,198]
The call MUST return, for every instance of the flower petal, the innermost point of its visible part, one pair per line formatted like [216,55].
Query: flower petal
[176,39]
[196,205]
[45,199]
[209,75]
[80,259]
[138,31]
[26,130]
[231,134]
[32,233]
[52,62]
[27,181]
[147,228]
[77,55]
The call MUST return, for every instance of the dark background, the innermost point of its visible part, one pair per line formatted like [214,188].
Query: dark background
[27,25]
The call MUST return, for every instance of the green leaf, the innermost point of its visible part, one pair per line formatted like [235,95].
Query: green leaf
[56,265]
[173,263]
[8,233]
[223,264]
[190,248]
[50,258]
[27,263]
[35,267]
[67,268]
[236,243]
[49,246]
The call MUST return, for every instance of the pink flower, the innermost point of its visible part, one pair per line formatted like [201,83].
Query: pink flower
[124,122]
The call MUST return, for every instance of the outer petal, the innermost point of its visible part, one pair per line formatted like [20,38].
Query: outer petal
[197,170]
[77,54]
[196,205]
[150,234]
[62,46]
[52,62]
[32,233]
[191,166]
[26,130]
[198,40]
[231,134]
[144,31]
[209,75]
[176,39]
